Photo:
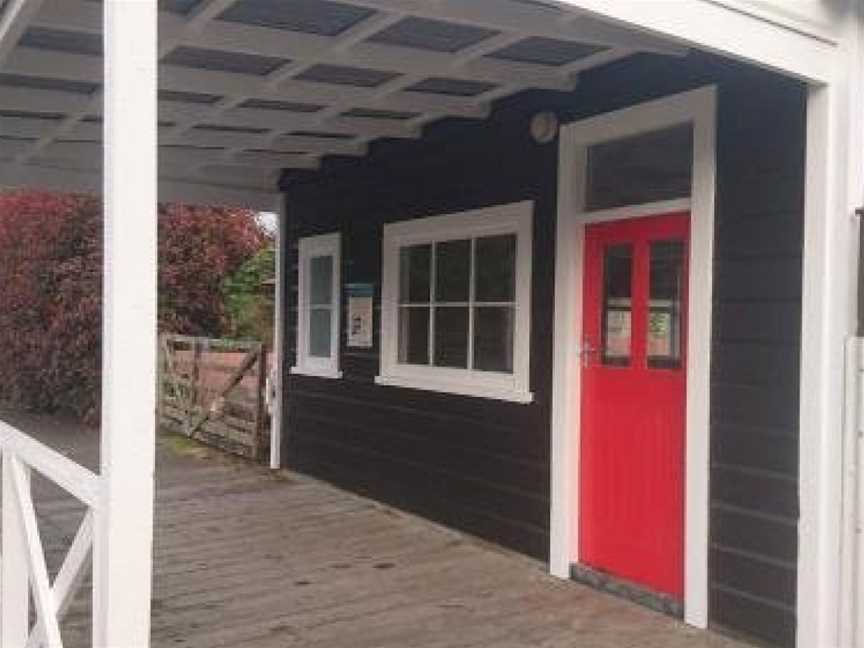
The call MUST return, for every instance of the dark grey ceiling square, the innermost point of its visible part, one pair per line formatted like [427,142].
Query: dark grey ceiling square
[282,106]
[178,6]
[546,51]
[310,16]
[275,152]
[344,75]
[40,83]
[216,128]
[453,87]
[173,6]
[369,113]
[217,60]
[188,97]
[60,40]
[43,116]
[323,135]
[434,35]
[537,4]
[189,147]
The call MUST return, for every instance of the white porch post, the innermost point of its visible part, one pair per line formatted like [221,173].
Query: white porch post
[124,535]
[835,179]
[278,339]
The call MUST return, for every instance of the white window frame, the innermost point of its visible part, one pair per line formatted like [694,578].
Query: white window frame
[515,218]
[309,248]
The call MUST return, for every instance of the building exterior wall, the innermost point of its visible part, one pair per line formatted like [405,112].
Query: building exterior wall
[483,465]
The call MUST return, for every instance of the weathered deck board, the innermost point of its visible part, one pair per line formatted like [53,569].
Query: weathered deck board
[248,558]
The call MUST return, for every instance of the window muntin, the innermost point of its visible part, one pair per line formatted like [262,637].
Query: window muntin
[666,285]
[459,315]
[318,306]
[471,308]
[471,314]
[645,168]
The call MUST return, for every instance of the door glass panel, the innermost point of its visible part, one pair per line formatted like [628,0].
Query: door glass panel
[617,304]
[642,169]
[321,281]
[319,332]
[453,271]
[493,338]
[496,269]
[664,318]
[415,266]
[414,335]
[451,336]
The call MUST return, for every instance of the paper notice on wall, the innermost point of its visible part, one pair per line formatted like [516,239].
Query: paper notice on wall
[360,315]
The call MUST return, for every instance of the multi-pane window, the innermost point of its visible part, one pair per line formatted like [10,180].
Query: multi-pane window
[457,303]
[318,306]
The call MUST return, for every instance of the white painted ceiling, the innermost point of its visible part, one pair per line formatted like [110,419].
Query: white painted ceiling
[250,87]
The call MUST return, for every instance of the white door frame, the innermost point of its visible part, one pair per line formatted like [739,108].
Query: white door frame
[698,107]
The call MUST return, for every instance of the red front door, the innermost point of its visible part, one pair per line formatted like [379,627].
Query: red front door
[634,400]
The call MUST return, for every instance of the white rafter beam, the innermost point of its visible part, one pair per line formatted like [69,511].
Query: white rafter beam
[283,144]
[304,50]
[175,185]
[78,67]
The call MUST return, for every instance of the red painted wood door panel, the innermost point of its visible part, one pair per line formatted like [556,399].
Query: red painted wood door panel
[634,400]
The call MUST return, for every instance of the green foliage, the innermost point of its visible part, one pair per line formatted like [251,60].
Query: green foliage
[51,291]
[249,298]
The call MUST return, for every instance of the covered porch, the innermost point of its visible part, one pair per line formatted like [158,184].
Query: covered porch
[382,129]
[245,556]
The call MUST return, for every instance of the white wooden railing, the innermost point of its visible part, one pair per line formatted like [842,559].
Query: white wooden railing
[24,571]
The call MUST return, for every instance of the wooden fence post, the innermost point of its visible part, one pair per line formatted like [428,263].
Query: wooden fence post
[260,405]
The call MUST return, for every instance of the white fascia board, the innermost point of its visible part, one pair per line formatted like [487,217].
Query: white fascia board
[726,30]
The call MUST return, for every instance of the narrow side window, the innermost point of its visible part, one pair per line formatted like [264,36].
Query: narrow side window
[319,306]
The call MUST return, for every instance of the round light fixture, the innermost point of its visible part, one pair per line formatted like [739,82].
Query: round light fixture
[544,127]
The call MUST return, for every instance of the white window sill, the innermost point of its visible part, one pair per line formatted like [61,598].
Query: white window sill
[477,390]
[317,373]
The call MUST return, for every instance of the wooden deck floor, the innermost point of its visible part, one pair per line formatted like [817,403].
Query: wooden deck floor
[248,558]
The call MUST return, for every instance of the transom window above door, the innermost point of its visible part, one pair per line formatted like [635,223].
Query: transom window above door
[457,303]
[645,168]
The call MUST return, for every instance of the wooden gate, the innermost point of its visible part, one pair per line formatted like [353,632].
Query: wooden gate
[214,391]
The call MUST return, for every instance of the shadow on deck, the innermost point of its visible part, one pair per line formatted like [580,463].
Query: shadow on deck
[246,557]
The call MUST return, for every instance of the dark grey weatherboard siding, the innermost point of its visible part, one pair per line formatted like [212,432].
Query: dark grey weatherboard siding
[482,465]
[755,369]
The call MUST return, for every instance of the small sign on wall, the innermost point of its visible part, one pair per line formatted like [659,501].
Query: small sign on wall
[360,315]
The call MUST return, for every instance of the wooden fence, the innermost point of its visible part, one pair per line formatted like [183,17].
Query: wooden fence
[214,391]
